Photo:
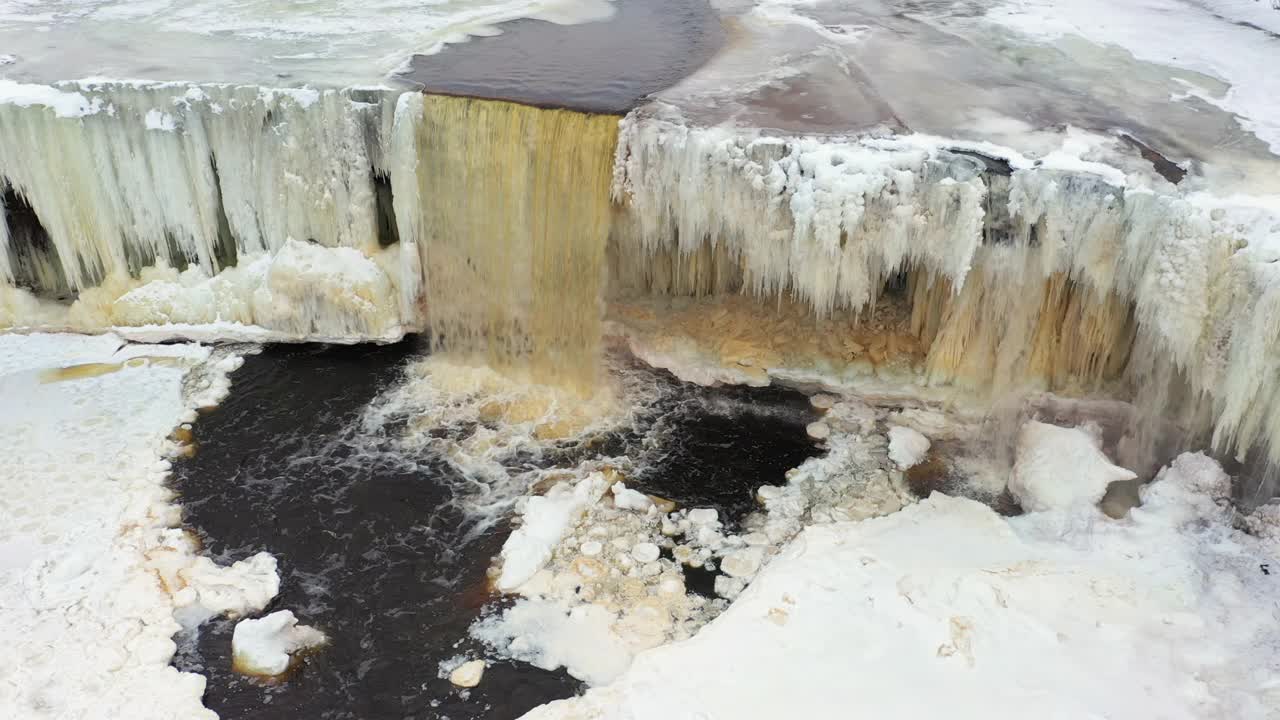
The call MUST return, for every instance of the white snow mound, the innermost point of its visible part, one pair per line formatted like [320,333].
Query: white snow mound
[1060,467]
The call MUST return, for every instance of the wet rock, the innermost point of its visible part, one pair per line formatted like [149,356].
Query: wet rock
[1122,496]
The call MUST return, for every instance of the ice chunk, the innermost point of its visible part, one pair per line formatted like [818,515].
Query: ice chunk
[625,498]
[704,517]
[545,520]
[907,447]
[1061,467]
[645,552]
[238,589]
[743,563]
[548,635]
[263,646]
[468,674]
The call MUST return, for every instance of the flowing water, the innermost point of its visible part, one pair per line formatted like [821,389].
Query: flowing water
[384,549]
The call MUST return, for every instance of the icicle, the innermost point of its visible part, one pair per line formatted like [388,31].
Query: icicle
[1042,278]
[827,220]
[149,193]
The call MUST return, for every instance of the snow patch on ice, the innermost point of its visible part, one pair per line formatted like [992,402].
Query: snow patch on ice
[160,120]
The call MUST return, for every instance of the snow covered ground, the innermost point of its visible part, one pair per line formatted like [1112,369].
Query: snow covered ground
[91,565]
[947,609]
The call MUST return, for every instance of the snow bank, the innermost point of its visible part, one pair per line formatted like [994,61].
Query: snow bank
[264,646]
[89,557]
[1059,467]
[1165,615]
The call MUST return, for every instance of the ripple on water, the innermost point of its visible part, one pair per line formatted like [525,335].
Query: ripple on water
[384,545]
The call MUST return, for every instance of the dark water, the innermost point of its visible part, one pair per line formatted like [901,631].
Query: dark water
[715,447]
[373,552]
[606,67]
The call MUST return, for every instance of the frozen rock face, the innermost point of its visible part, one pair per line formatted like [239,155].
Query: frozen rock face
[264,646]
[1059,468]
